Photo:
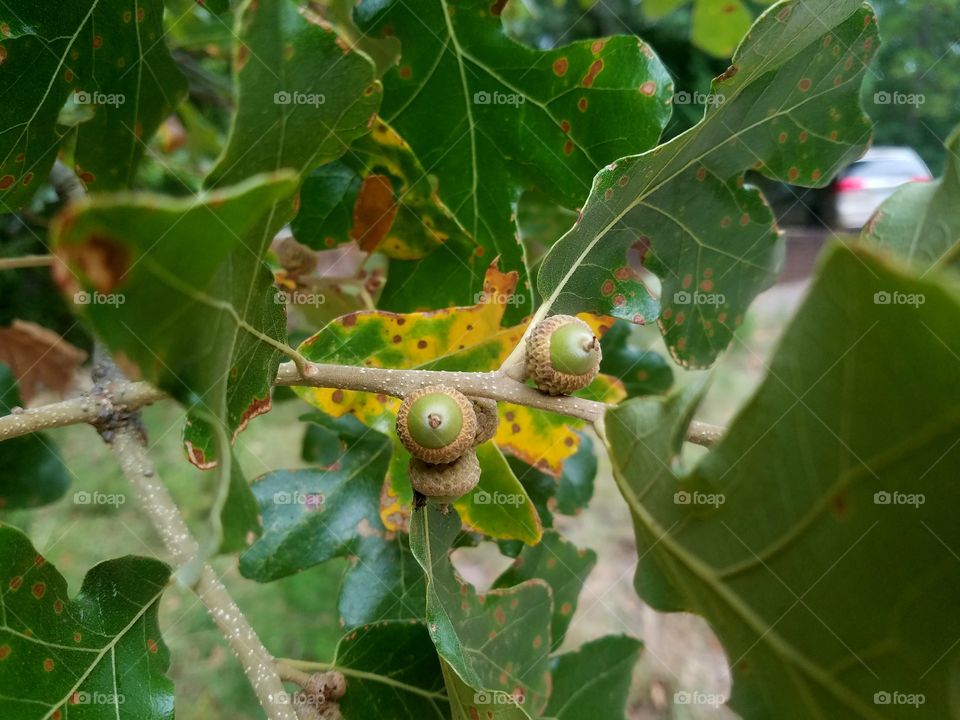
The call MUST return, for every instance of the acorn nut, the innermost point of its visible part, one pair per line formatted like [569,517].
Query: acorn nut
[436,424]
[445,482]
[563,355]
[487,419]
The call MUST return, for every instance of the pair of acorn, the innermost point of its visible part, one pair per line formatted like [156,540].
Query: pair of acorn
[441,427]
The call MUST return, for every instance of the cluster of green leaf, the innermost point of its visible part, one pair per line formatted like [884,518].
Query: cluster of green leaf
[816,537]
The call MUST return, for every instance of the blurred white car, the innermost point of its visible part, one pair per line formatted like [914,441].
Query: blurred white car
[862,187]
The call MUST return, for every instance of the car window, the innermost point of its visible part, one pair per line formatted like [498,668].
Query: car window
[886,168]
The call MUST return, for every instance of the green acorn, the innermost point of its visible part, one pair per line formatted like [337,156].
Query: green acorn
[445,482]
[436,424]
[563,355]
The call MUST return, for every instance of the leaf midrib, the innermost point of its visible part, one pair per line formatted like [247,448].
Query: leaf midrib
[107,648]
[53,78]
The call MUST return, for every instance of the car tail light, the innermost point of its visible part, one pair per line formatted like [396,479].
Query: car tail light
[921,178]
[849,184]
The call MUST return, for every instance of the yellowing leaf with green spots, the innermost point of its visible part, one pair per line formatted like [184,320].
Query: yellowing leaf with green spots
[384,339]
[458,338]
[378,196]
[499,506]
[788,107]
[716,25]
[545,440]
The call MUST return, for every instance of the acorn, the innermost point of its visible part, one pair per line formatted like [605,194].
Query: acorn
[563,355]
[487,419]
[436,424]
[445,482]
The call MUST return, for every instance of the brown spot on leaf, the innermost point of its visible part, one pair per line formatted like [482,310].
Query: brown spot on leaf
[373,212]
[102,260]
[595,68]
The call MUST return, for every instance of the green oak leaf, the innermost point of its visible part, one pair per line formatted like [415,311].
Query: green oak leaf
[642,372]
[321,444]
[467,703]
[817,536]
[594,680]
[303,96]
[313,515]
[392,671]
[921,221]
[491,117]
[386,583]
[100,655]
[173,319]
[790,109]
[240,515]
[563,566]
[33,473]
[109,60]
[496,643]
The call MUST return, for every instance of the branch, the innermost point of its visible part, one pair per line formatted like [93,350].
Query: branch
[495,385]
[123,432]
[27,261]
[398,383]
[91,407]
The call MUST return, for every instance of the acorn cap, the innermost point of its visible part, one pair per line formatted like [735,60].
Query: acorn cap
[563,355]
[487,419]
[436,424]
[445,482]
